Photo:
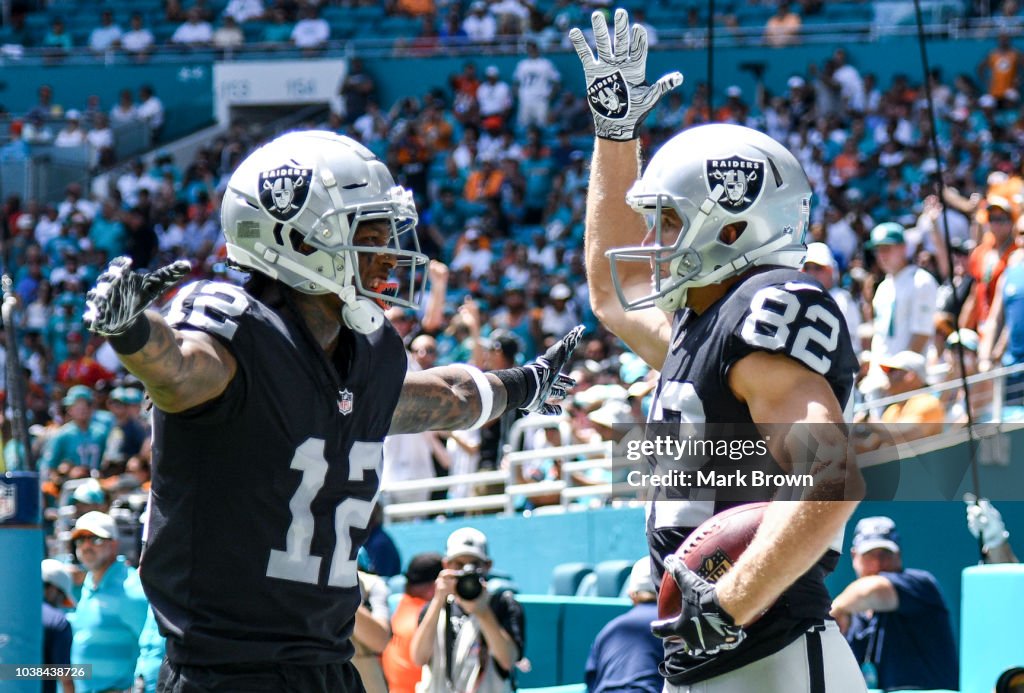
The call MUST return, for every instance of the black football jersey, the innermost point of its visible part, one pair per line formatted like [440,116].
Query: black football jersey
[261,497]
[779,311]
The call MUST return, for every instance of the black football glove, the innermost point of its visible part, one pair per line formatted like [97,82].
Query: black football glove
[702,625]
[545,379]
[120,295]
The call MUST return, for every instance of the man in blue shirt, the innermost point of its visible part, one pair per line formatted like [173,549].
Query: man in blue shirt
[81,440]
[895,620]
[625,655]
[112,610]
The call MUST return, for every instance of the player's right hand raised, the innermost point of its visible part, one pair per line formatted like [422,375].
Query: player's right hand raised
[121,295]
[617,90]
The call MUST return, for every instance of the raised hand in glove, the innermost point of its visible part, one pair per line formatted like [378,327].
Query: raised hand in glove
[113,307]
[617,89]
[549,383]
[986,523]
[702,625]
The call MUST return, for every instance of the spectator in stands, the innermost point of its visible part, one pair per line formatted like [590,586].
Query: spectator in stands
[904,302]
[559,311]
[1003,331]
[472,257]
[58,594]
[80,368]
[401,672]
[454,631]
[357,90]
[107,232]
[228,35]
[16,148]
[80,441]
[536,79]
[987,262]
[625,655]
[36,131]
[138,40]
[151,110]
[194,32]
[71,135]
[1002,65]
[921,415]
[783,27]
[124,111]
[311,32]
[57,41]
[986,523]
[279,29]
[243,11]
[129,433]
[821,265]
[152,649]
[100,140]
[965,340]
[494,98]
[107,35]
[895,619]
[112,610]
[480,25]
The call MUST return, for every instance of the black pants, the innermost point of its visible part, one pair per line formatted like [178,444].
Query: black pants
[276,678]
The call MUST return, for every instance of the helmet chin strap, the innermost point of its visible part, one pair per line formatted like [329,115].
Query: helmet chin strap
[358,312]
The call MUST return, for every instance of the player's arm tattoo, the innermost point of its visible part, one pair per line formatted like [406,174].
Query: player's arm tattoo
[180,369]
[443,399]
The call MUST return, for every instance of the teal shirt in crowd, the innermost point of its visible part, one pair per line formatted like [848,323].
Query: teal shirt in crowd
[75,445]
[152,647]
[107,625]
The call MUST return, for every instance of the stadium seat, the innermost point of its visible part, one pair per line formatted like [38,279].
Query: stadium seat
[611,576]
[566,578]
[588,586]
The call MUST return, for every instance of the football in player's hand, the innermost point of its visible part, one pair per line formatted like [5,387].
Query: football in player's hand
[711,550]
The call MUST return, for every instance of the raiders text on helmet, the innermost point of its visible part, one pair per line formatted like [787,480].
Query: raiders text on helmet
[291,211]
[712,176]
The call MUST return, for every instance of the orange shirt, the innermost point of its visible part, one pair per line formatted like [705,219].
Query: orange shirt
[401,673]
[986,265]
[924,410]
[1003,66]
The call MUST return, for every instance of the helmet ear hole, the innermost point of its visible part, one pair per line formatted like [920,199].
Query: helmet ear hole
[731,233]
[299,244]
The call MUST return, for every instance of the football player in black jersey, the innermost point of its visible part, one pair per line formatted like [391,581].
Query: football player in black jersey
[272,404]
[708,293]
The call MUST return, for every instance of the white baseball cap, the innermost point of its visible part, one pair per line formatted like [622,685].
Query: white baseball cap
[640,579]
[467,542]
[96,523]
[907,361]
[56,573]
[560,292]
[820,254]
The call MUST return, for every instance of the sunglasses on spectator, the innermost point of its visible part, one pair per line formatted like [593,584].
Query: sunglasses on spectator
[998,219]
[95,541]
[426,350]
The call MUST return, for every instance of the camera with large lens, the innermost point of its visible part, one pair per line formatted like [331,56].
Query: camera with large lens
[469,582]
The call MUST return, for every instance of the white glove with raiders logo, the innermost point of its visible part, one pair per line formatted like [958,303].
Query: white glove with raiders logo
[113,306]
[617,90]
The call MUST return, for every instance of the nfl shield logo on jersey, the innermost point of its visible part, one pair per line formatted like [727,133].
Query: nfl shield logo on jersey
[345,400]
[742,178]
[8,501]
[285,189]
[609,96]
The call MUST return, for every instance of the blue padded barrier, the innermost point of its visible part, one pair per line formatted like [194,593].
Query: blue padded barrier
[991,614]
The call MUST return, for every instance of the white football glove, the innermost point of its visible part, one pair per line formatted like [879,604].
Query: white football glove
[121,295]
[986,523]
[617,90]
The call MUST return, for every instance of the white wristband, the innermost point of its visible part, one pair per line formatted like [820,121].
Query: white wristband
[486,394]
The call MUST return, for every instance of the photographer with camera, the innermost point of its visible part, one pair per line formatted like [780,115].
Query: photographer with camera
[468,639]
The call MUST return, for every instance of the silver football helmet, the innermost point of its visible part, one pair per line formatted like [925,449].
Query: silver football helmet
[291,211]
[713,176]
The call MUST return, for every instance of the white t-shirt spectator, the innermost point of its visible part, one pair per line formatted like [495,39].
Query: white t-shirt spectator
[478,261]
[100,138]
[493,98]
[137,41]
[536,77]
[480,28]
[70,137]
[558,322]
[244,10]
[103,37]
[311,33]
[129,185]
[193,33]
[851,86]
[152,112]
[121,116]
[904,306]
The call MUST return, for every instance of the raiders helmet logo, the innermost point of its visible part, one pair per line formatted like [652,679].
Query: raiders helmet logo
[609,96]
[742,178]
[285,189]
[713,567]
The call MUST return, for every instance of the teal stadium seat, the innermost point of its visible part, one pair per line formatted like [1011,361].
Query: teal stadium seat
[566,578]
[611,577]
[588,586]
